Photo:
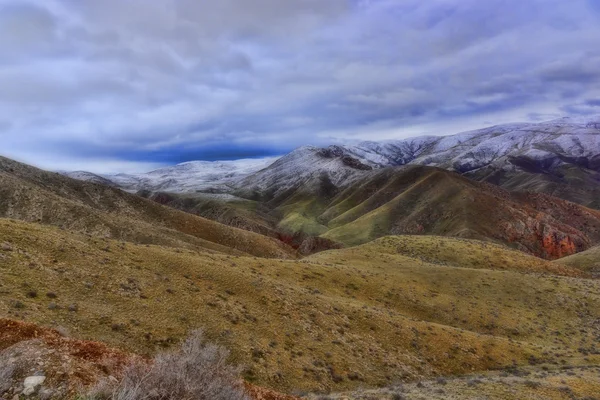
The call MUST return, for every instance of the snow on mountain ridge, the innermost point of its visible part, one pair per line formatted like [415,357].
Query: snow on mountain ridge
[189,176]
[493,146]
[464,152]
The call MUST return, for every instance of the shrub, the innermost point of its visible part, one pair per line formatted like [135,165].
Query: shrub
[198,370]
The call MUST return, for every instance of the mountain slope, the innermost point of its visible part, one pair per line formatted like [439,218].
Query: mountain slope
[31,194]
[559,157]
[426,200]
[186,177]
[397,309]
[88,177]
[588,261]
[564,153]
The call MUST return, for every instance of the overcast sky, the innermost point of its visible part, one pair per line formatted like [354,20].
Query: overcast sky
[128,85]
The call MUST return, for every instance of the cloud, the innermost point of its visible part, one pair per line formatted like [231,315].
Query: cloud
[173,80]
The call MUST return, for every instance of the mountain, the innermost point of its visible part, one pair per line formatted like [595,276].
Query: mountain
[89,177]
[353,194]
[102,265]
[186,177]
[30,194]
[433,201]
[560,157]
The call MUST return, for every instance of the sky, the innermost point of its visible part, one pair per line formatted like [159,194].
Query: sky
[130,85]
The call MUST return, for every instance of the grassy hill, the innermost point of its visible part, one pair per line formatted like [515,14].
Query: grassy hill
[398,309]
[588,261]
[425,200]
[532,383]
[30,194]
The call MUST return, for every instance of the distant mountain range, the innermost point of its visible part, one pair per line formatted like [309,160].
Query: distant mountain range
[181,178]
[559,157]
[505,183]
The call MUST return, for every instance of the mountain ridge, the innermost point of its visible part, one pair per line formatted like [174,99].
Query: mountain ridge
[559,157]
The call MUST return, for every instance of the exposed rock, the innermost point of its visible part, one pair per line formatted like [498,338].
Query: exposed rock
[32,384]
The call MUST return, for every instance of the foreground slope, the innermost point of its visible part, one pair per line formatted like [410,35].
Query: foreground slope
[364,316]
[70,366]
[30,194]
[531,383]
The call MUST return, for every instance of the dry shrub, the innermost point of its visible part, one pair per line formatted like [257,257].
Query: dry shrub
[197,371]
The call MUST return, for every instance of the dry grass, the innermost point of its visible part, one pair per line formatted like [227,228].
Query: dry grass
[588,261]
[525,383]
[30,194]
[366,316]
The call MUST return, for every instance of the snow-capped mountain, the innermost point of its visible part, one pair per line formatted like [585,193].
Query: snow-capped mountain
[503,147]
[566,137]
[185,177]
[88,177]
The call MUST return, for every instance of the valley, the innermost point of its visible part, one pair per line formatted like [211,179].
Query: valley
[350,279]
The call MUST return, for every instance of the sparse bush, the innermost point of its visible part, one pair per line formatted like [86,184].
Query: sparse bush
[198,370]
[532,384]
[17,304]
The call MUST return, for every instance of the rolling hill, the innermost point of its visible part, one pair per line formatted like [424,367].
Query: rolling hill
[588,261]
[30,194]
[396,309]
[426,200]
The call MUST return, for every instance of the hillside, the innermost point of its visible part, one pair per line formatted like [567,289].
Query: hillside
[426,200]
[532,383]
[588,261]
[392,310]
[559,157]
[572,182]
[30,194]
[70,366]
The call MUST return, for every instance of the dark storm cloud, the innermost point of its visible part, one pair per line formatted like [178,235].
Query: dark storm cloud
[139,82]
[593,102]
